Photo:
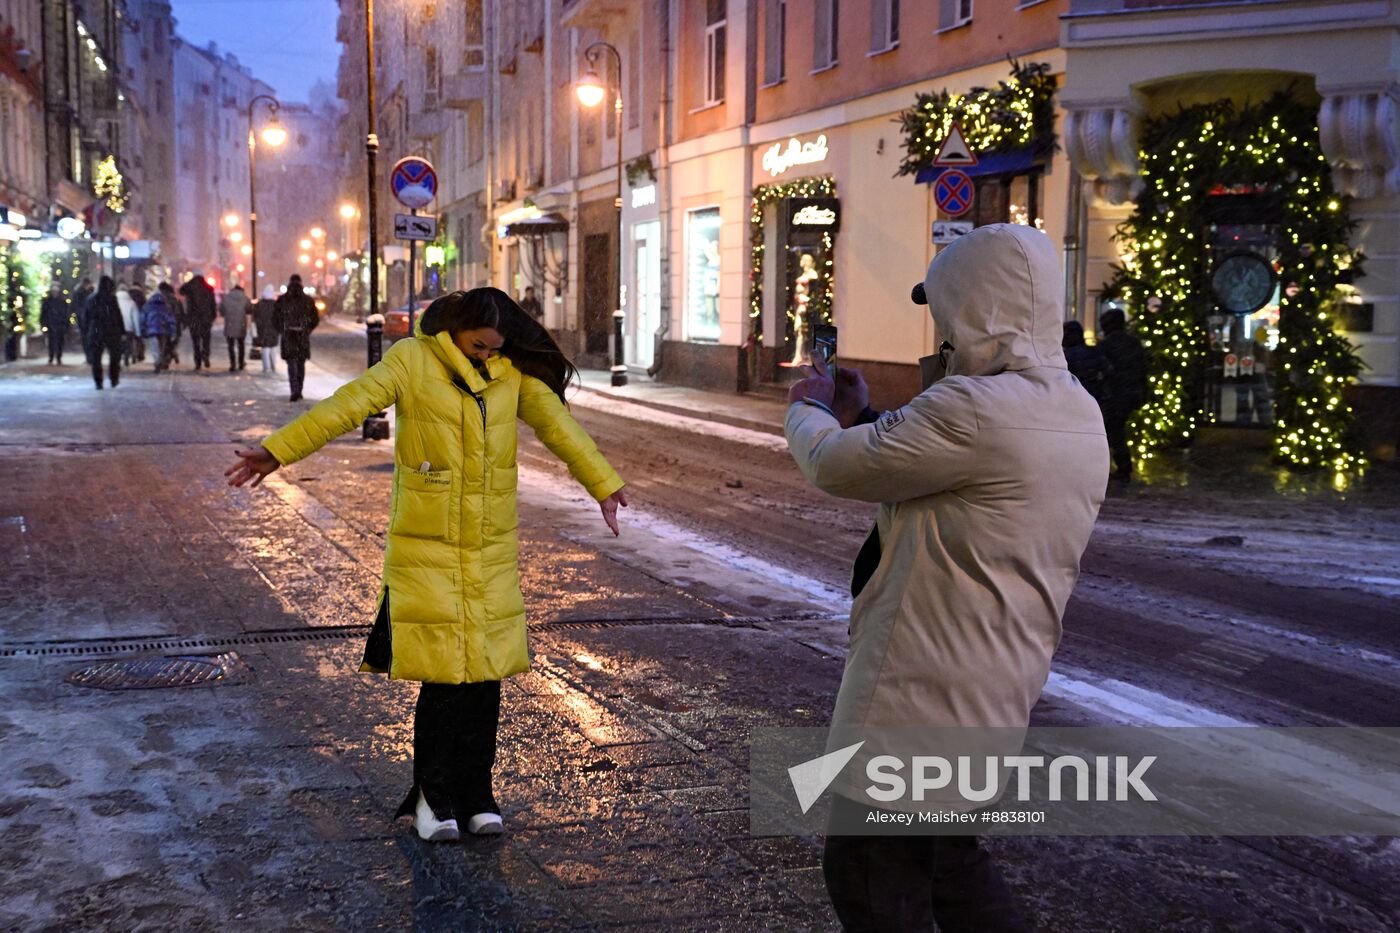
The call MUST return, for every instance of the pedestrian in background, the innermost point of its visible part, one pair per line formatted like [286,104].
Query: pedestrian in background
[989,483]
[266,335]
[104,331]
[478,363]
[54,315]
[1087,364]
[294,316]
[81,294]
[159,322]
[1127,383]
[234,309]
[133,350]
[531,305]
[200,311]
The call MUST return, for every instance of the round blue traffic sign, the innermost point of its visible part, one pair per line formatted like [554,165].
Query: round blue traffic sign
[954,192]
[414,182]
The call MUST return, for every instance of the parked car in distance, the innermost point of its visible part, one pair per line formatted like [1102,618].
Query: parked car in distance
[396,321]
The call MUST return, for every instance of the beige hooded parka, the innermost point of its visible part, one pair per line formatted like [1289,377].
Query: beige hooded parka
[989,482]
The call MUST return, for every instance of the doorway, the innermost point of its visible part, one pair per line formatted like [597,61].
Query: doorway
[599,293]
[645,313]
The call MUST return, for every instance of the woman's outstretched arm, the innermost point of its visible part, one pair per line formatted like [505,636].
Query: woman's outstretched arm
[542,410]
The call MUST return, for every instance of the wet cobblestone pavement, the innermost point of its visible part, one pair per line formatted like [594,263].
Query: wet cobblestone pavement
[265,803]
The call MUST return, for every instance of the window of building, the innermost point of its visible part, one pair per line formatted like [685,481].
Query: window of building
[474,56]
[702,274]
[476,148]
[430,78]
[954,13]
[715,31]
[774,41]
[884,25]
[824,39]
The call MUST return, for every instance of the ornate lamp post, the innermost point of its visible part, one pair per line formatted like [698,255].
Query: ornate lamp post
[274,134]
[592,91]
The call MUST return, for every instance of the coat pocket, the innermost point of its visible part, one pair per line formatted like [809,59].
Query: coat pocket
[423,505]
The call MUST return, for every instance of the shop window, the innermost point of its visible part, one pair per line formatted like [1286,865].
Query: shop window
[774,41]
[1008,199]
[702,274]
[954,13]
[824,38]
[715,31]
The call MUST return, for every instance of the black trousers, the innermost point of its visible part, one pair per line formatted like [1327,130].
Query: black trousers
[903,884]
[232,342]
[1115,423]
[56,339]
[200,337]
[296,375]
[113,349]
[454,748]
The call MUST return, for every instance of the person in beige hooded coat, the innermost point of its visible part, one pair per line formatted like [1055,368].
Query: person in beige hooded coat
[989,483]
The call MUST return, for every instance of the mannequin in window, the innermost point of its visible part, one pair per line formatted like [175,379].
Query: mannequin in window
[802,286]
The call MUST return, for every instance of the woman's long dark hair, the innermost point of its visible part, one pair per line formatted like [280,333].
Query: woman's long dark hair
[527,344]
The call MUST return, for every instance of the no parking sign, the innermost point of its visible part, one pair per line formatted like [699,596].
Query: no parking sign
[954,192]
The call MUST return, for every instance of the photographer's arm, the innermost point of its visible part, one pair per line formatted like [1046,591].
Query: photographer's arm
[925,447]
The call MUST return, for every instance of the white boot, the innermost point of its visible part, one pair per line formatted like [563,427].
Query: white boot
[429,827]
[486,824]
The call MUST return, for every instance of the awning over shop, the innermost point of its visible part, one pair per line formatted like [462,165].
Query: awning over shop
[997,163]
[537,226]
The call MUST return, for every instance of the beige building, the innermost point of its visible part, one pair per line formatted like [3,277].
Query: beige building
[1128,63]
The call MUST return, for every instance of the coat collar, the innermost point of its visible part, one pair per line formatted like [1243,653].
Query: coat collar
[457,364]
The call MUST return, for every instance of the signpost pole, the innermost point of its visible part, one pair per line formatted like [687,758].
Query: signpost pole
[412,265]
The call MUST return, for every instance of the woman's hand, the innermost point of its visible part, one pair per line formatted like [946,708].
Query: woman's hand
[609,507]
[256,465]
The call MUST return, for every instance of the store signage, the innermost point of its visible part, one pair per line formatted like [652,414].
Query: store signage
[780,157]
[814,214]
[645,196]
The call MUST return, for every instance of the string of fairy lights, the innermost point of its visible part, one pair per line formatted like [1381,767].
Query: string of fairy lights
[819,306]
[1018,113]
[1270,149]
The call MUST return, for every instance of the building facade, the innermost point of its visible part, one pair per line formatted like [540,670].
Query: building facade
[1289,111]
[23,185]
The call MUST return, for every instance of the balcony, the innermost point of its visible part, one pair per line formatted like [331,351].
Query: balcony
[427,124]
[463,88]
[595,13]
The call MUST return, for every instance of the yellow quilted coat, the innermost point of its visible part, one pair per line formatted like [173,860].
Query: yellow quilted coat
[456,614]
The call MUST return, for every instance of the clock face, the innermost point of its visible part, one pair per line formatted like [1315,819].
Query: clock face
[1243,283]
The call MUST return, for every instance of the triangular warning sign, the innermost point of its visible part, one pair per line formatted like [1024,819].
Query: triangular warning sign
[955,150]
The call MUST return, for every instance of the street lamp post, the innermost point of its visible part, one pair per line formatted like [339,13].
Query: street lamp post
[591,92]
[273,135]
[376,426]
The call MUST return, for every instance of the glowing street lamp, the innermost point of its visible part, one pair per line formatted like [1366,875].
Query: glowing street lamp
[348,212]
[305,244]
[246,250]
[236,236]
[317,233]
[303,259]
[274,135]
[231,220]
[592,91]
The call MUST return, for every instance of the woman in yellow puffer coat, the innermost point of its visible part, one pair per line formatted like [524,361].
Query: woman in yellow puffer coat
[450,610]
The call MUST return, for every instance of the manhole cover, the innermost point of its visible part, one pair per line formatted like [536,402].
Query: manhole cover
[149,673]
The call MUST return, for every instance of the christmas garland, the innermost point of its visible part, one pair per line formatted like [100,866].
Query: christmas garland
[1018,113]
[1270,149]
[820,303]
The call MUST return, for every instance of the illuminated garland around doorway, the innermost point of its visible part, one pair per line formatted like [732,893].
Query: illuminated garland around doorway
[1019,113]
[763,195]
[1269,148]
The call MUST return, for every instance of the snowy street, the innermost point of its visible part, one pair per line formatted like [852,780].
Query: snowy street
[264,800]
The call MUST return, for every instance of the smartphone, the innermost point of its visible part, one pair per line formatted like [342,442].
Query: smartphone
[824,346]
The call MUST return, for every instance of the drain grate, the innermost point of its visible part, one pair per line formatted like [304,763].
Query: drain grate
[176,643]
[155,673]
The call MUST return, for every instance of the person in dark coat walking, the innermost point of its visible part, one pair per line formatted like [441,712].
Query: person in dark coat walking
[104,329]
[295,318]
[54,315]
[531,305]
[200,311]
[266,336]
[1127,383]
[1087,364]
